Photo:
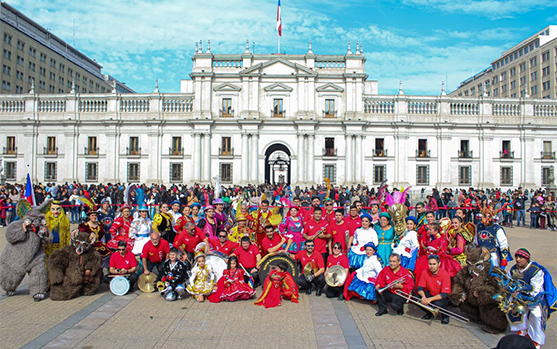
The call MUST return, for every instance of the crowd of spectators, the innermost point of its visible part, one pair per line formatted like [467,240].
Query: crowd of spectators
[512,204]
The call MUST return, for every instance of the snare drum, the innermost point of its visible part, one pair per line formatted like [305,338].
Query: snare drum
[120,285]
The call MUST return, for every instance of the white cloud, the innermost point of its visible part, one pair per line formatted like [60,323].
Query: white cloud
[484,8]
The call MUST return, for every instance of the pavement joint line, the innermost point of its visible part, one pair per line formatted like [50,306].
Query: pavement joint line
[65,325]
[488,339]
[350,330]
[324,304]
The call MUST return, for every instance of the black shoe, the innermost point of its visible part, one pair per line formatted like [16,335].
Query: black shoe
[381,313]
[445,320]
[341,297]
[400,312]
[427,316]
[318,292]
[308,291]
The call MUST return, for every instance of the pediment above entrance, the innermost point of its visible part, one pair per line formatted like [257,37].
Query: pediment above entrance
[279,66]
[330,88]
[278,87]
[227,87]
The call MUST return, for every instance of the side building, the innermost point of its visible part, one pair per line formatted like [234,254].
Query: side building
[35,59]
[297,119]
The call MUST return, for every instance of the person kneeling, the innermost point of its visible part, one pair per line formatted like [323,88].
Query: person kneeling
[434,287]
[171,278]
[314,260]
[278,285]
[122,263]
[399,279]
[363,283]
[202,279]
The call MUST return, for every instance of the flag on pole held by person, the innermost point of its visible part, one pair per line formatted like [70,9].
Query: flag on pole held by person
[29,193]
[279,21]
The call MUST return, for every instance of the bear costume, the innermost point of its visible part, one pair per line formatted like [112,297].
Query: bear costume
[24,252]
[75,269]
[473,288]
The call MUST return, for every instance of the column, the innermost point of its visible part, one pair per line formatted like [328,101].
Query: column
[348,159]
[358,159]
[207,157]
[311,159]
[245,158]
[300,151]
[196,157]
[254,163]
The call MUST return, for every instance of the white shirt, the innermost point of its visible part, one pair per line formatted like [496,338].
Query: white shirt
[408,241]
[361,237]
[370,269]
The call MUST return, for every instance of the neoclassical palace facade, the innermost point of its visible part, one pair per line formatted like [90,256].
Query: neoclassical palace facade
[251,118]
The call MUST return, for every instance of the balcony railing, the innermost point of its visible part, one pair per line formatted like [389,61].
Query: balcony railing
[176,151]
[422,153]
[226,114]
[9,150]
[329,113]
[226,152]
[279,114]
[91,151]
[506,154]
[548,155]
[329,151]
[380,153]
[50,151]
[133,151]
[465,154]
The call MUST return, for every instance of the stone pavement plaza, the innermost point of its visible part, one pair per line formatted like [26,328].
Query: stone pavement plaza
[141,320]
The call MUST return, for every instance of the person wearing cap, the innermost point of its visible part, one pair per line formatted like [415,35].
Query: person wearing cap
[407,247]
[365,277]
[120,229]
[92,226]
[240,230]
[292,228]
[386,235]
[536,283]
[162,223]
[59,226]
[362,235]
[221,217]
[106,217]
[140,230]
[209,224]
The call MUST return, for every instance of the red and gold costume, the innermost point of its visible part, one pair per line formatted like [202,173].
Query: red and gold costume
[237,233]
[278,285]
[232,287]
[99,233]
[120,232]
[458,240]
[437,246]
[262,219]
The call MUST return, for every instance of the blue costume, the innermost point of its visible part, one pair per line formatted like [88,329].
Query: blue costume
[493,238]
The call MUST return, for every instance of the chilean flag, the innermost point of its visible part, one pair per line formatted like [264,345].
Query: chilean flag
[279,21]
[29,193]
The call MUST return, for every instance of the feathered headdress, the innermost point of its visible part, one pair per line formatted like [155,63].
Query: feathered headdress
[399,197]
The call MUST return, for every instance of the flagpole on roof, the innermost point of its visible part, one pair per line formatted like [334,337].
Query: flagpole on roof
[279,25]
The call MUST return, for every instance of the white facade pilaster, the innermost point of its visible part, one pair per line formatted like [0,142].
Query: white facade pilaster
[245,157]
[207,157]
[311,158]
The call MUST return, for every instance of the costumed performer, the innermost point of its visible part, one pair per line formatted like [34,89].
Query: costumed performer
[162,224]
[493,237]
[292,228]
[407,247]
[202,280]
[181,222]
[59,226]
[209,224]
[458,238]
[385,234]
[240,230]
[106,217]
[232,286]
[92,226]
[263,217]
[120,229]
[278,285]
[170,281]
[466,224]
[140,230]
[363,282]
[363,235]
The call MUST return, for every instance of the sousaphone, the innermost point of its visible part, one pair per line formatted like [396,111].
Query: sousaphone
[335,276]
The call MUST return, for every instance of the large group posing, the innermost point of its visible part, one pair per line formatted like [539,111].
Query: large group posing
[222,244]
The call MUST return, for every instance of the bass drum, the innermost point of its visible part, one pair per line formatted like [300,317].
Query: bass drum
[217,263]
[120,285]
[269,262]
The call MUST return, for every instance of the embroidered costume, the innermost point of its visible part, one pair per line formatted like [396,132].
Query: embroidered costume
[277,286]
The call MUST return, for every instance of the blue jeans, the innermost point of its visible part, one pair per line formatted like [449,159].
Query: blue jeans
[520,214]
[75,214]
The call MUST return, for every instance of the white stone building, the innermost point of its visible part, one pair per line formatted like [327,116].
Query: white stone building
[295,118]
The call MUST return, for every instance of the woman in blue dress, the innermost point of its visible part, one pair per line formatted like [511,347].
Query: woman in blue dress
[363,282]
[385,234]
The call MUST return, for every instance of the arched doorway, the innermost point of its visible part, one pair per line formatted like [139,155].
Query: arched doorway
[277,164]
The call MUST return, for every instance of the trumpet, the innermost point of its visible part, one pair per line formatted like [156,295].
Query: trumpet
[432,308]
[392,284]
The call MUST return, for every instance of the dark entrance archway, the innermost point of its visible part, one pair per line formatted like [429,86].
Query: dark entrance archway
[277,164]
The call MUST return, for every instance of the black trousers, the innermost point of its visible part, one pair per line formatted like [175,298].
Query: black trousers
[150,266]
[443,303]
[132,279]
[332,292]
[319,282]
[397,302]
[255,275]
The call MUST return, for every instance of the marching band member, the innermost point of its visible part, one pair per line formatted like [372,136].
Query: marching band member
[274,242]
[407,247]
[362,235]
[154,253]
[223,244]
[434,286]
[492,236]
[317,279]
[537,283]
[400,278]
[248,257]
[188,240]
[122,263]
[340,232]
[316,231]
[363,284]
[353,219]
[337,258]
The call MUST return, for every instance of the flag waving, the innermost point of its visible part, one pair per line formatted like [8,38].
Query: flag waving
[29,193]
[279,21]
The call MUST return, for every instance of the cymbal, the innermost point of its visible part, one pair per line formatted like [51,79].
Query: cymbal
[146,283]
[310,269]
[335,276]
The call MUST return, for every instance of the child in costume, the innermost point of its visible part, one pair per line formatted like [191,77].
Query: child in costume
[232,286]
[172,277]
[278,285]
[202,279]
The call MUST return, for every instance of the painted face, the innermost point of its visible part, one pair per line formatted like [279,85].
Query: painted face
[55,210]
[487,219]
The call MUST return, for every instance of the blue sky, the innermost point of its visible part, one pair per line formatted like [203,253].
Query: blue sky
[418,42]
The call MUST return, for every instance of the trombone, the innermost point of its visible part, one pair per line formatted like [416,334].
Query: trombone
[392,284]
[432,308]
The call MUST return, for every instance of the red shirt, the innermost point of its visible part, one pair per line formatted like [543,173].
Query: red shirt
[308,213]
[353,223]
[119,262]
[188,242]
[386,276]
[341,260]
[247,258]
[339,233]
[311,228]
[156,254]
[270,243]
[435,284]
[329,217]
[315,257]
[227,248]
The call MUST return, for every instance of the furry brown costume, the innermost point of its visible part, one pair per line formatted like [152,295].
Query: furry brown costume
[75,269]
[473,289]
[24,253]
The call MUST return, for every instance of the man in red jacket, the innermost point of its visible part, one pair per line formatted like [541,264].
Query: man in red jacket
[402,280]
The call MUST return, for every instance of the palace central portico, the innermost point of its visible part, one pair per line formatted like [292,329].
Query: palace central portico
[251,118]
